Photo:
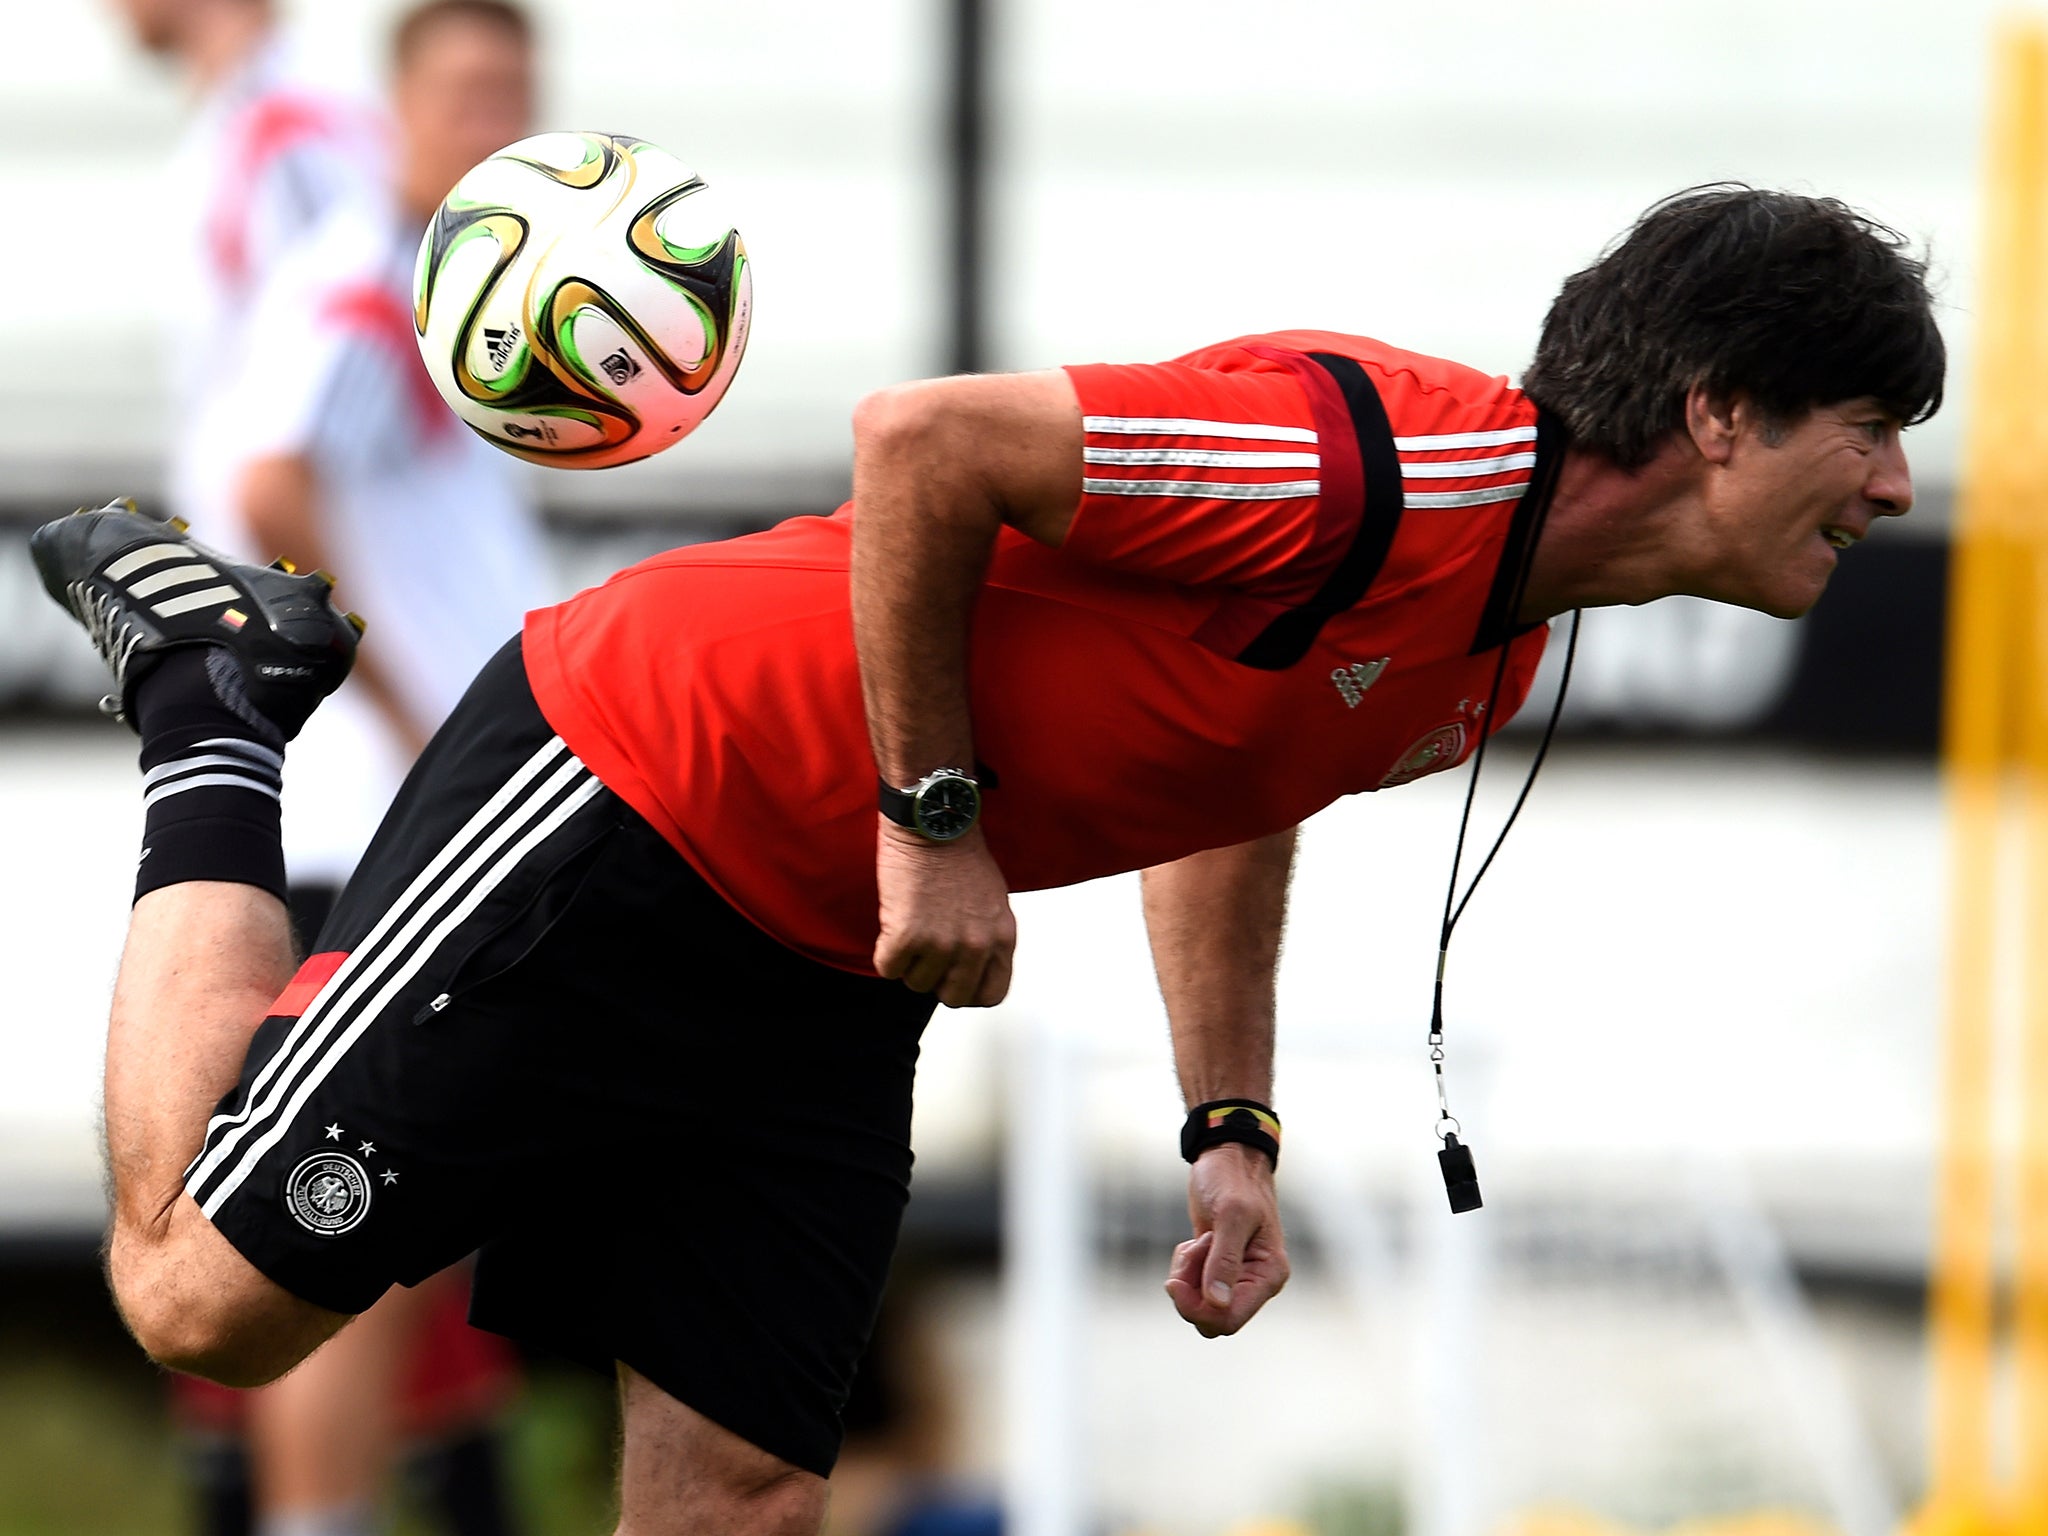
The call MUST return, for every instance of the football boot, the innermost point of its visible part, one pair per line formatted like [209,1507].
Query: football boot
[142,587]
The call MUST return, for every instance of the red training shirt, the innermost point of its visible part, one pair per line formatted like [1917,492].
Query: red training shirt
[1288,580]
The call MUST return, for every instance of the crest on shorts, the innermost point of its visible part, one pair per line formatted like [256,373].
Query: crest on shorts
[1438,750]
[328,1193]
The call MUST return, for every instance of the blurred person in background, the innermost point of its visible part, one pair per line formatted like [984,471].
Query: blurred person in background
[269,151]
[346,459]
[320,440]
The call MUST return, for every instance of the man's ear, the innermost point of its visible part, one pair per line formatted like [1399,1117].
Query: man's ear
[1711,422]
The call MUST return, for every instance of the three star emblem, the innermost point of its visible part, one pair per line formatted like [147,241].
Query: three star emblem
[367,1149]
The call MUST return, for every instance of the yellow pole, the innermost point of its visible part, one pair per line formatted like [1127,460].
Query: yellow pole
[2027,443]
[1986,673]
[2030,1274]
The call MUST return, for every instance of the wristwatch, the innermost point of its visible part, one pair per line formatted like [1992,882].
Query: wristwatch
[942,806]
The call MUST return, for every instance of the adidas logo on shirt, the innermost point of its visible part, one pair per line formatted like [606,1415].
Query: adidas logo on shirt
[1352,681]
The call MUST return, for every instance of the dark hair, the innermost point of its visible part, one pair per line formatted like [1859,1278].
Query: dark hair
[416,23]
[1791,301]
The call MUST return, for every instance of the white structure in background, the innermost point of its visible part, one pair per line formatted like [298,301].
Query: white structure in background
[1409,172]
[1619,1329]
[1047,1237]
[1646,1357]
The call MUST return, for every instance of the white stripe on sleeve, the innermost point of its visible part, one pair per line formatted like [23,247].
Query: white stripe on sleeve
[1207,458]
[1416,500]
[1182,426]
[1442,441]
[1206,490]
[1458,469]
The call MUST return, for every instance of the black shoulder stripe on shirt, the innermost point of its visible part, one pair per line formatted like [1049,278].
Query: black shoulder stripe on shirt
[1287,639]
[1496,622]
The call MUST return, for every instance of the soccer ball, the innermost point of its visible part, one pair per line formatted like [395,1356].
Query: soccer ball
[579,300]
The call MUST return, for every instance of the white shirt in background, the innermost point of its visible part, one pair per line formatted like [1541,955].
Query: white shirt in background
[269,154]
[432,530]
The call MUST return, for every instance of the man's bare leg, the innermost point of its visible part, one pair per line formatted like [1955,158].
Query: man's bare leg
[215,678]
[682,1475]
[203,962]
[322,1442]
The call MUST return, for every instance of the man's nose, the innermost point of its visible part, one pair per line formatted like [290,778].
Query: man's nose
[1890,487]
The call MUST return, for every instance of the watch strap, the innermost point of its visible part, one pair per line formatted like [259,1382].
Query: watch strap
[899,805]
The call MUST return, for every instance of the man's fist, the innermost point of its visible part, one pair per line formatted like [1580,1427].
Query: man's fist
[946,920]
[1237,1260]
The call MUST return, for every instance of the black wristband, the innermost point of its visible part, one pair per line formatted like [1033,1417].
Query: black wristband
[1221,1121]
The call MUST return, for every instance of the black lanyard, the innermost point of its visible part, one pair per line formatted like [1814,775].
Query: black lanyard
[1461,1180]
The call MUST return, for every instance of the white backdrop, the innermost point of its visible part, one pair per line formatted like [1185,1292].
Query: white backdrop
[1165,176]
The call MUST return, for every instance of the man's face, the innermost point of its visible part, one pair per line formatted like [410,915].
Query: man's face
[1787,500]
[152,23]
[466,91]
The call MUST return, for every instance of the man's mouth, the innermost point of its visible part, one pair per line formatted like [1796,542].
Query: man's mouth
[1839,536]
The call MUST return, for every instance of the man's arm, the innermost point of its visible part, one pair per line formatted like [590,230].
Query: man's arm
[280,496]
[1215,921]
[938,468]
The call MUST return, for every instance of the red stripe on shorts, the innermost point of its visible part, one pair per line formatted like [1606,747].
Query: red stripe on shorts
[305,986]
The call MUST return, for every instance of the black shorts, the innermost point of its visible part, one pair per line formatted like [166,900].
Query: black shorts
[677,1143]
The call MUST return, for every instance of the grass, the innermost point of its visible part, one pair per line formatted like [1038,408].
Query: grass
[81,1451]
[86,1447]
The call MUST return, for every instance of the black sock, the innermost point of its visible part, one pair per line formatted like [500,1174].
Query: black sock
[212,771]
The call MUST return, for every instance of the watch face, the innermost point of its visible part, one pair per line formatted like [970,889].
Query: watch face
[946,808]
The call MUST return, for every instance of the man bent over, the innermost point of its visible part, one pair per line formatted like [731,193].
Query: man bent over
[628,991]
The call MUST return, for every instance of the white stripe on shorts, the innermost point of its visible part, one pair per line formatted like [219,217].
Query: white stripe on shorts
[360,1019]
[505,809]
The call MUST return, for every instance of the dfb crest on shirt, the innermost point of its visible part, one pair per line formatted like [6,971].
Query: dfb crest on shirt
[1436,751]
[328,1193]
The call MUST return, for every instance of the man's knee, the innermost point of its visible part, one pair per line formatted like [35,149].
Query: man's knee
[683,1475]
[197,1306]
[787,1502]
